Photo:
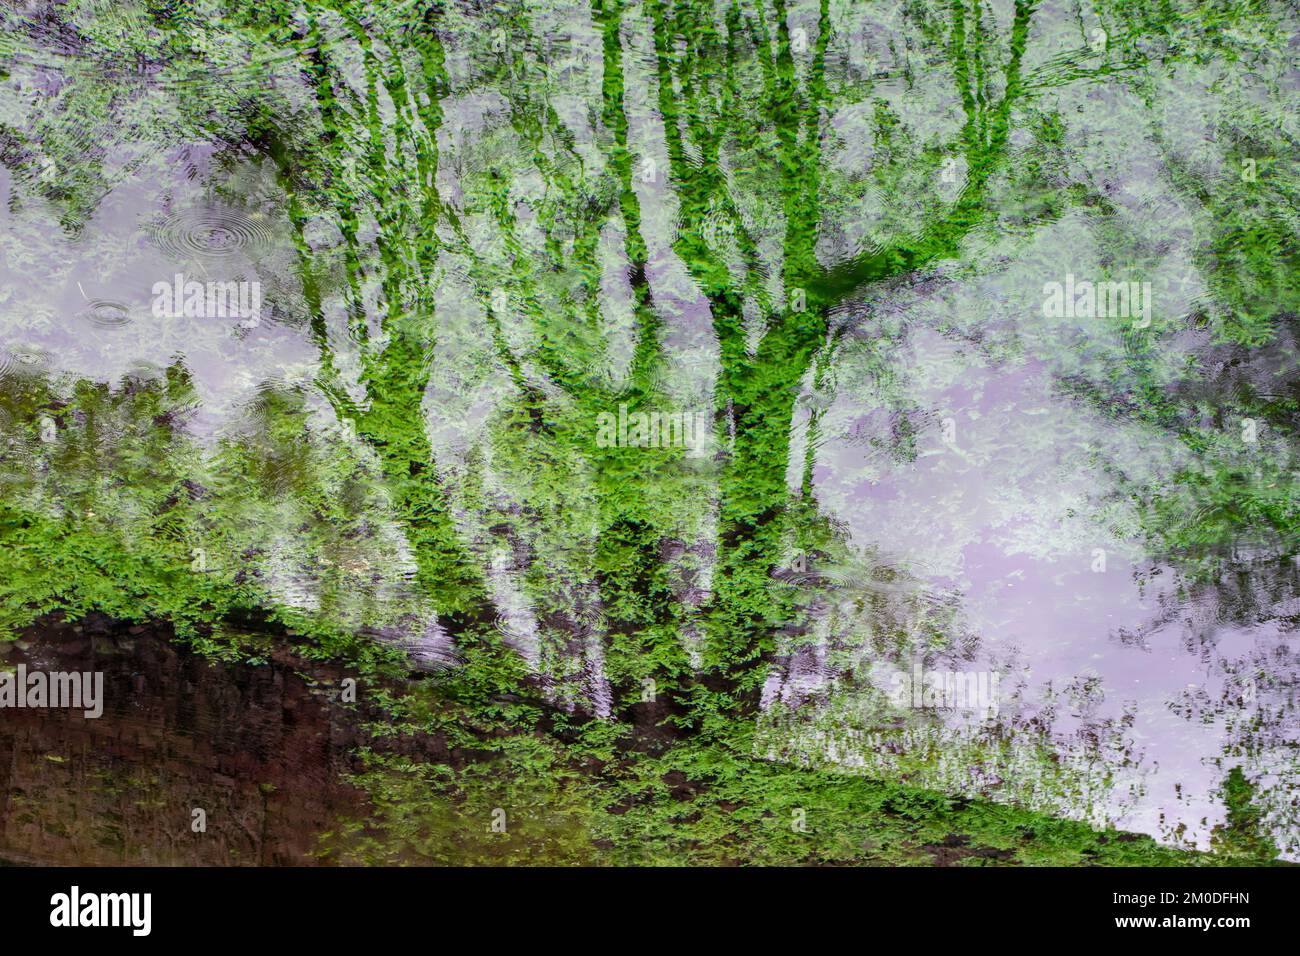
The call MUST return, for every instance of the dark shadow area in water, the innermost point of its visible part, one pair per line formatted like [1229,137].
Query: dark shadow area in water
[261,749]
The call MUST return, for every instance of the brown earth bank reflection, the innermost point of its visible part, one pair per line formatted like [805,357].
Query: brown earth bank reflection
[262,749]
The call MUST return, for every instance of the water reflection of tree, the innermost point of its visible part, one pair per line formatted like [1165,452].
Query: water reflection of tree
[705,108]
[732,84]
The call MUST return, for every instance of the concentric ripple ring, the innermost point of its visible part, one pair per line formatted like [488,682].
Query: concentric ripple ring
[185,236]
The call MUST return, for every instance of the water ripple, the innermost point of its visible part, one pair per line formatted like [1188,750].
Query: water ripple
[107,314]
[223,235]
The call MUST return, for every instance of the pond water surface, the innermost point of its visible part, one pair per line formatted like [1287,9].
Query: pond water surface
[828,232]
